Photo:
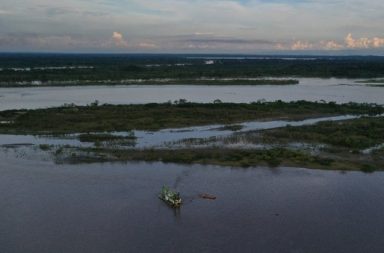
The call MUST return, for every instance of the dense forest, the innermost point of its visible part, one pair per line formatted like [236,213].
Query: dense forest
[41,68]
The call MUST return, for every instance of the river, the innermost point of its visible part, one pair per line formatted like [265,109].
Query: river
[311,89]
[114,208]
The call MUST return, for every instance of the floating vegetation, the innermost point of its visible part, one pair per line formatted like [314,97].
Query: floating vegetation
[44,147]
[233,128]
[104,137]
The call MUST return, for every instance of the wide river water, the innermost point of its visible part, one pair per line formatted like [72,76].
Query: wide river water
[102,208]
[311,89]
[113,207]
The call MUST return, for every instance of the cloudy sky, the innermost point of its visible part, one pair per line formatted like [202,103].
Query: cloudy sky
[192,26]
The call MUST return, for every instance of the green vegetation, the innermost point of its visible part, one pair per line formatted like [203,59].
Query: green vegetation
[347,145]
[230,128]
[234,81]
[109,118]
[355,134]
[226,157]
[99,139]
[53,69]
[346,142]
[378,81]
[373,82]
[44,147]
[104,137]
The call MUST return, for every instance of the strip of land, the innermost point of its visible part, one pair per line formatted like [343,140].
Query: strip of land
[226,157]
[336,146]
[372,82]
[107,118]
[355,144]
[354,134]
[199,81]
[82,68]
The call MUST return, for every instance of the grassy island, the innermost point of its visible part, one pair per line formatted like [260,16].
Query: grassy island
[355,144]
[107,118]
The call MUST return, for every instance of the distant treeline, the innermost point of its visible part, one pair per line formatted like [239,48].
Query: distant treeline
[91,67]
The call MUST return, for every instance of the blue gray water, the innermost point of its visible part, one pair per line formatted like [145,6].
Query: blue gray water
[46,207]
[114,208]
[311,89]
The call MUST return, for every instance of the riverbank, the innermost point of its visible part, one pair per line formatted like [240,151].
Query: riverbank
[157,81]
[105,118]
[348,145]
[236,158]
[110,133]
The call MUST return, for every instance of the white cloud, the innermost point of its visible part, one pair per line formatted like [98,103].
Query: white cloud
[331,45]
[301,45]
[378,42]
[363,42]
[155,24]
[356,43]
[118,38]
[147,45]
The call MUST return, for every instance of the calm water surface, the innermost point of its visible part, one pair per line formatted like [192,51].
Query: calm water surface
[311,89]
[114,208]
[165,137]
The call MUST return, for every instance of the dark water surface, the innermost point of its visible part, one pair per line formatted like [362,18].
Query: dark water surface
[114,208]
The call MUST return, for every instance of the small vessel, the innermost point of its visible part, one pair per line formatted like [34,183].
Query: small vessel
[207,196]
[170,197]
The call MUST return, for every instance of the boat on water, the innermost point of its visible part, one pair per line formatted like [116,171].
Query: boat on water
[172,198]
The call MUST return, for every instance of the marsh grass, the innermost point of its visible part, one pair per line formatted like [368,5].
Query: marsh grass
[104,137]
[355,135]
[235,158]
[110,118]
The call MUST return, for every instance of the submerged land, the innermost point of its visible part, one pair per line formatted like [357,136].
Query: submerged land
[71,118]
[351,144]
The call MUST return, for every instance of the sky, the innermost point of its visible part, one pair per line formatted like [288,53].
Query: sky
[193,26]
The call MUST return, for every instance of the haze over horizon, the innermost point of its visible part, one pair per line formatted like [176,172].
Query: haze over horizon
[198,26]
